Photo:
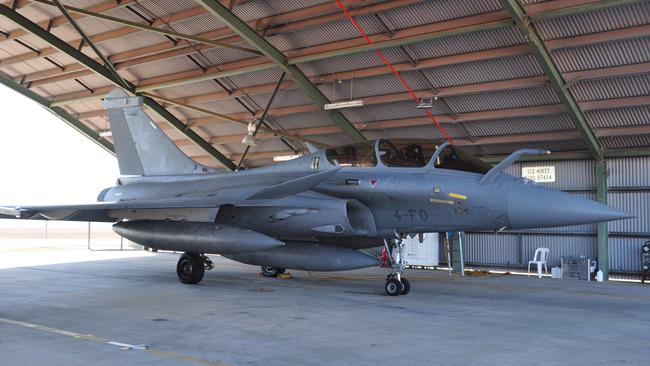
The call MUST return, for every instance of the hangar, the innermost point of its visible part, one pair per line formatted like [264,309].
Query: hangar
[570,76]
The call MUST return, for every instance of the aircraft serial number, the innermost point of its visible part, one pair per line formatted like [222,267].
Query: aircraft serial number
[411,215]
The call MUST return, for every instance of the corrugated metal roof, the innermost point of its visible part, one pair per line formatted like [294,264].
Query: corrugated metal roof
[224,128]
[485,70]
[621,87]
[594,22]
[332,139]
[163,67]
[374,85]
[504,99]
[397,110]
[466,43]
[268,76]
[130,42]
[429,132]
[303,120]
[623,142]
[164,7]
[520,125]
[284,98]
[262,8]
[219,56]
[184,91]
[608,54]
[434,11]
[354,61]
[324,33]
[332,27]
[619,117]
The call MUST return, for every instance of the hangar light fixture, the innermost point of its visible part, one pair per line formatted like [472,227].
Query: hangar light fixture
[426,103]
[346,104]
[250,138]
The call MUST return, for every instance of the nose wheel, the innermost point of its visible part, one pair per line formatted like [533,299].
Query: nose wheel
[396,284]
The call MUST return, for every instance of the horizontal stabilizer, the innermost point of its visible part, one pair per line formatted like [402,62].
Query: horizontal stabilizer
[293,186]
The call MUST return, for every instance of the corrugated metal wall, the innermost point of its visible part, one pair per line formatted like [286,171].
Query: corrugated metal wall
[629,190]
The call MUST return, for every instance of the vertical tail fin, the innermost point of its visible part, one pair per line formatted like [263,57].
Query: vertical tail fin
[141,146]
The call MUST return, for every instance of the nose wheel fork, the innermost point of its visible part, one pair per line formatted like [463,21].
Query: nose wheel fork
[396,284]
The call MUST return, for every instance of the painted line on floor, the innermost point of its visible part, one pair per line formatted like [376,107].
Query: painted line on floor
[93,338]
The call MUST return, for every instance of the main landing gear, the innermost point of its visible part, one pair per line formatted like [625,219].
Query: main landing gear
[191,267]
[396,284]
[268,271]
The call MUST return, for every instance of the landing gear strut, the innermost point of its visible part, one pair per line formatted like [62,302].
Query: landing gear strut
[396,284]
[191,267]
[268,271]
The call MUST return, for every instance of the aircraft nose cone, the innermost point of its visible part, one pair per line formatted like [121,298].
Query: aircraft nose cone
[532,207]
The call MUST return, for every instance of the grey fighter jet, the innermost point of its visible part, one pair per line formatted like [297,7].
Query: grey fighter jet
[313,213]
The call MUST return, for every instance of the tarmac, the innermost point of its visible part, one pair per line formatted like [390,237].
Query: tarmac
[128,308]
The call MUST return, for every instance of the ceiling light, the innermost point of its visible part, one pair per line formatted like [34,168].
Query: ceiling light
[250,138]
[346,104]
[425,103]
[105,133]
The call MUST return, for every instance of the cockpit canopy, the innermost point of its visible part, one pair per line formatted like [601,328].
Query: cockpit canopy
[405,153]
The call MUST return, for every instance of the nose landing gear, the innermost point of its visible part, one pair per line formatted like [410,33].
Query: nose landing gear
[396,284]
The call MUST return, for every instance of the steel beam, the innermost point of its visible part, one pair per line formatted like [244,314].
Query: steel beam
[104,72]
[602,227]
[59,112]
[543,56]
[250,35]
[61,20]
[149,28]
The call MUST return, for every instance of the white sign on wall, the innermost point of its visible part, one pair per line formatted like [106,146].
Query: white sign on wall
[542,174]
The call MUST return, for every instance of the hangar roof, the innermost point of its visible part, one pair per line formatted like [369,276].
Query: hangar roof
[571,76]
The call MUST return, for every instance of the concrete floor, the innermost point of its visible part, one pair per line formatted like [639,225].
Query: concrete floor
[64,314]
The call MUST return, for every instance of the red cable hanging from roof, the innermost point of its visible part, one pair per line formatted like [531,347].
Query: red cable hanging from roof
[385,60]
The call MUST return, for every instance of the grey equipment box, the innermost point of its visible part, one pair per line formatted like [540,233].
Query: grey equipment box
[576,268]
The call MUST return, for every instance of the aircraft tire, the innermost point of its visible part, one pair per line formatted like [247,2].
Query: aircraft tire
[268,271]
[190,268]
[393,287]
[407,286]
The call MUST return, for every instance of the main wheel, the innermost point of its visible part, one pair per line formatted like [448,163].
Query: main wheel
[407,286]
[190,268]
[268,271]
[393,287]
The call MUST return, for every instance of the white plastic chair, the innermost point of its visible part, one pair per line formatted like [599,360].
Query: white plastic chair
[541,254]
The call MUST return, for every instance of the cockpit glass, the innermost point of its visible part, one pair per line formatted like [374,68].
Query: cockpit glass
[405,153]
[455,158]
[357,155]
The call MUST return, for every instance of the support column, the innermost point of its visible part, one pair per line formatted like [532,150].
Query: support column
[603,232]
[457,260]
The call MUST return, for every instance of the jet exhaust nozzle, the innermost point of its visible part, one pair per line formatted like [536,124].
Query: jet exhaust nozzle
[196,237]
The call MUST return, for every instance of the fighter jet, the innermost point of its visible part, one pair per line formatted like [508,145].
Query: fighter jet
[312,213]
